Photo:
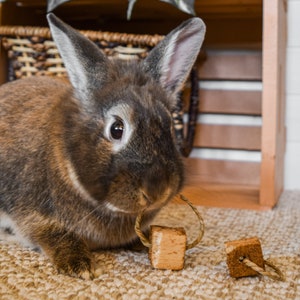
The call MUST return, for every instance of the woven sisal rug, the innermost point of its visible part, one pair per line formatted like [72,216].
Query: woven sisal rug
[25,274]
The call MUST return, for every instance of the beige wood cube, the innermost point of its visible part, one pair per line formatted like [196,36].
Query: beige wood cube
[247,248]
[168,247]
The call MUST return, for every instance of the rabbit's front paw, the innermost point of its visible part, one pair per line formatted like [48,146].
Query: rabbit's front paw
[69,253]
[75,263]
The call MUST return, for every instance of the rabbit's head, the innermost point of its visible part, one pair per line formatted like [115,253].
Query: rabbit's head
[119,136]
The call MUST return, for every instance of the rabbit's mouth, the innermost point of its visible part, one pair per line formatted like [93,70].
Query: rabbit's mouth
[142,201]
[152,204]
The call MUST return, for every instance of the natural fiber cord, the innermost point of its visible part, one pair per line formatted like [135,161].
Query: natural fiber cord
[275,273]
[145,241]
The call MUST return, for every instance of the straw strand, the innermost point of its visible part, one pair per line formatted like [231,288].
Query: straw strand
[145,241]
[275,274]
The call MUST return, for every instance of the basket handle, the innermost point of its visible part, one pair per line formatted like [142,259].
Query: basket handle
[186,141]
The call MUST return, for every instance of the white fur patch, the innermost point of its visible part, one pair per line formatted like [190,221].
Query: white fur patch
[6,222]
[78,186]
[123,112]
[113,208]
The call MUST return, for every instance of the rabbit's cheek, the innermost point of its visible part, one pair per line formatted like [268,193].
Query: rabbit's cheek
[162,200]
[125,200]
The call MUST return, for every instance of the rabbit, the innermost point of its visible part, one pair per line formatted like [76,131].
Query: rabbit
[80,160]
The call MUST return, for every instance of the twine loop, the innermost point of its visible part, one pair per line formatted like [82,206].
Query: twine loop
[275,273]
[145,240]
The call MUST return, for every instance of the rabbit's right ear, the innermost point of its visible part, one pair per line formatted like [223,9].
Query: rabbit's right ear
[86,65]
[171,61]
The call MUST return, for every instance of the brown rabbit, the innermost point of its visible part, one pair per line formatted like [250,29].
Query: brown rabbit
[78,162]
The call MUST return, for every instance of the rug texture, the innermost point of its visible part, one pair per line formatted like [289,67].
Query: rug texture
[26,274]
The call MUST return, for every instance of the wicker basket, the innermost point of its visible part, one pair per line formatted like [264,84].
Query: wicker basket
[32,52]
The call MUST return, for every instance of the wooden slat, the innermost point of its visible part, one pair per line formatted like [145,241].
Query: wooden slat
[221,171]
[227,101]
[273,133]
[224,195]
[231,65]
[228,137]
[231,102]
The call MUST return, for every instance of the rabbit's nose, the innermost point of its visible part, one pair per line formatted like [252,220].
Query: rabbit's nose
[154,200]
[155,187]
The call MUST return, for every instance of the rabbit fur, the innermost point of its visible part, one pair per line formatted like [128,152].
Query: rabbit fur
[79,161]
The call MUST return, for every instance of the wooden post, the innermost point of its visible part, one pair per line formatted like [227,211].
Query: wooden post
[273,130]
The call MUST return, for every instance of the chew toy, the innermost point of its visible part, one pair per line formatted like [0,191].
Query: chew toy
[167,245]
[245,258]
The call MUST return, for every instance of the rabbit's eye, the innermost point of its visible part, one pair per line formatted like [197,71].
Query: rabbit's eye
[117,129]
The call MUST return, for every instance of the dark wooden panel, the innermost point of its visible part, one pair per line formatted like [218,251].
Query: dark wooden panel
[228,22]
[247,8]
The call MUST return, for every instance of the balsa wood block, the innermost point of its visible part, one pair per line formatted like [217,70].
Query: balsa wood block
[237,250]
[168,247]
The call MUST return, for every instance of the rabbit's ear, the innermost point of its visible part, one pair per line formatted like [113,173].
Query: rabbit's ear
[86,65]
[171,61]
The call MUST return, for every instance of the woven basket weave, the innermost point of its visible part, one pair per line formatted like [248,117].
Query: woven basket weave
[32,52]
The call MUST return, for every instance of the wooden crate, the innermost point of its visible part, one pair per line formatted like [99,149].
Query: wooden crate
[224,169]
[256,25]
[244,184]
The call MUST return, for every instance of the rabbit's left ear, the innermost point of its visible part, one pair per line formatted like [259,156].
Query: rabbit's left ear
[171,61]
[86,65]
